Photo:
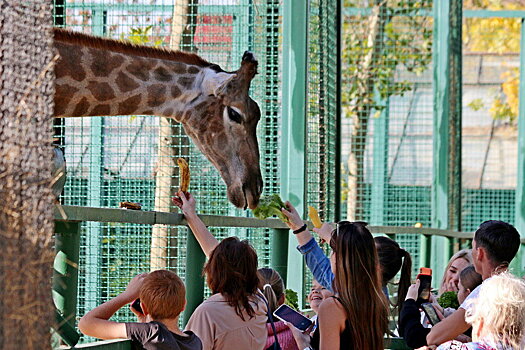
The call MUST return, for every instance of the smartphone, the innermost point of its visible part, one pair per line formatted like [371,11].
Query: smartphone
[286,313]
[425,279]
[429,310]
[136,305]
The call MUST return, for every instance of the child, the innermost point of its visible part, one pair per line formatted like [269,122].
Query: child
[162,299]
[469,279]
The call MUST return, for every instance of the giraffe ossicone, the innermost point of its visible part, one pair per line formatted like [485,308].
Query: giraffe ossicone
[104,77]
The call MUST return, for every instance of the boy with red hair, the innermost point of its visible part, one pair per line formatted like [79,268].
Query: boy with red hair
[162,299]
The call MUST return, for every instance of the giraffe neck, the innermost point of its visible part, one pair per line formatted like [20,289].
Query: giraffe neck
[92,81]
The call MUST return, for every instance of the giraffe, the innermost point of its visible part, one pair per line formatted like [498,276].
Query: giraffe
[104,77]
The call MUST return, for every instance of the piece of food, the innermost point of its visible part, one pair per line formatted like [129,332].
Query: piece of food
[184,175]
[449,299]
[270,206]
[130,205]
[314,217]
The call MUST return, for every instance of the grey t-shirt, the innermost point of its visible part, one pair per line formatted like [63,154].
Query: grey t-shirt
[155,336]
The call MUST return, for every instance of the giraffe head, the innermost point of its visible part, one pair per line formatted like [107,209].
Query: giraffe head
[222,122]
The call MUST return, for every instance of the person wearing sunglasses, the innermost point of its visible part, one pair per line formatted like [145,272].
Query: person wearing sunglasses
[356,317]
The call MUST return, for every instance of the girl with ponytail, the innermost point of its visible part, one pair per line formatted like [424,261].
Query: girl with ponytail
[272,286]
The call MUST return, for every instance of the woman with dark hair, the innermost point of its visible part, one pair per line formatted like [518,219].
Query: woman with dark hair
[357,316]
[393,258]
[272,286]
[234,317]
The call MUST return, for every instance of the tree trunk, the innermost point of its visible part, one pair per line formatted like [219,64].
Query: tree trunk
[172,143]
[361,113]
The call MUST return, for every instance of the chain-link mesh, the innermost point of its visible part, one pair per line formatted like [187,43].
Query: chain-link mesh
[26,212]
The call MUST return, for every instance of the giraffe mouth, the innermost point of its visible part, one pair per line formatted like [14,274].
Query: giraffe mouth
[241,197]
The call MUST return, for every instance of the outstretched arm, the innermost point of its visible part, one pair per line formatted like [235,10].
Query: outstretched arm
[449,328]
[96,322]
[186,203]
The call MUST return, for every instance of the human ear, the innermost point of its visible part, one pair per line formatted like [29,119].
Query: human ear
[144,308]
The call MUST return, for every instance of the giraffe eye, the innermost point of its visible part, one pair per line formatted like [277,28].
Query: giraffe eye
[234,115]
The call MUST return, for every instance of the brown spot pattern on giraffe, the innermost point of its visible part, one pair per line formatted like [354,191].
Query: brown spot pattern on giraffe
[186,82]
[168,112]
[101,110]
[129,106]
[138,70]
[161,74]
[101,91]
[125,83]
[156,95]
[175,91]
[103,63]
[63,95]
[193,70]
[81,108]
[69,63]
[176,67]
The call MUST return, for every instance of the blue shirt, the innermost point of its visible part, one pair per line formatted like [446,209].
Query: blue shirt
[318,263]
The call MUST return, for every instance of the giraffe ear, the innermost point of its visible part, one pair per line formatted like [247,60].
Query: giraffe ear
[213,84]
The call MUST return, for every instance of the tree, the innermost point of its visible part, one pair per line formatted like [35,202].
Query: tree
[383,36]
[504,38]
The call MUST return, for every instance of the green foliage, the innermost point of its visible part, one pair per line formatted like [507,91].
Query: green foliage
[291,299]
[142,36]
[270,206]
[403,41]
[476,104]
[449,299]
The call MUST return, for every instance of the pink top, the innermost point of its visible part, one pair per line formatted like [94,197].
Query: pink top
[284,335]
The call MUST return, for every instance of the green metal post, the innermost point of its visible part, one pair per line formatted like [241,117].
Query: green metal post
[65,279]
[446,186]
[194,281]
[65,276]
[280,252]
[379,174]
[339,113]
[295,72]
[95,186]
[518,264]
[425,251]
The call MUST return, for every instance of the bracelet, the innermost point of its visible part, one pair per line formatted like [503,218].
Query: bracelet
[300,229]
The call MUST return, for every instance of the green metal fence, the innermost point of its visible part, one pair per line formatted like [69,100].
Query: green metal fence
[404,101]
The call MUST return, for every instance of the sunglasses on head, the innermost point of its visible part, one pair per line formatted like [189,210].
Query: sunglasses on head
[345,223]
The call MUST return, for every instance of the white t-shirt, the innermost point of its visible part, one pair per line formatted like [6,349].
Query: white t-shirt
[470,301]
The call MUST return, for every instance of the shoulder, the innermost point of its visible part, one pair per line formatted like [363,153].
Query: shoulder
[472,297]
[142,331]
[331,309]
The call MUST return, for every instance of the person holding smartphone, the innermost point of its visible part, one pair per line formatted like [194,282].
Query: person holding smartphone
[356,317]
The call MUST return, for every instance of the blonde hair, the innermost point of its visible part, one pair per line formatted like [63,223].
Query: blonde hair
[501,307]
[462,254]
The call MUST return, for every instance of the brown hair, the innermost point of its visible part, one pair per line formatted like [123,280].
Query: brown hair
[357,282]
[164,294]
[232,272]
[272,286]
[469,278]
[392,258]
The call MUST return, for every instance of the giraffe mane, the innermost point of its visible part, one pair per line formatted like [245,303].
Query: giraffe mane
[125,47]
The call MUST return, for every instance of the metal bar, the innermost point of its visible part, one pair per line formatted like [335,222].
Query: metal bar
[352,11]
[76,213]
[279,258]
[65,330]
[518,263]
[380,164]
[446,189]
[194,281]
[339,113]
[293,169]
[65,276]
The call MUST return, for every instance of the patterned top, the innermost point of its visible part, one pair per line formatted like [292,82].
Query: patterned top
[481,345]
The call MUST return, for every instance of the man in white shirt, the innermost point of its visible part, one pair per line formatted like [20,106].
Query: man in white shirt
[495,244]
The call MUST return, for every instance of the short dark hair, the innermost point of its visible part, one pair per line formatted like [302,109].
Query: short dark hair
[501,240]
